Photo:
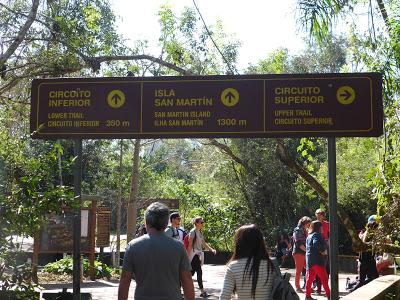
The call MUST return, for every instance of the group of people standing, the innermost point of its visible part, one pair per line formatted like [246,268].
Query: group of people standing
[162,264]
[159,261]
[163,261]
[311,252]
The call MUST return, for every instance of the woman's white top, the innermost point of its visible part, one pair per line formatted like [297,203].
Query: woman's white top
[198,244]
[234,281]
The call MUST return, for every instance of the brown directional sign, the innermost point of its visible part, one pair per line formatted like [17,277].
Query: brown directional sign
[208,106]
[103,226]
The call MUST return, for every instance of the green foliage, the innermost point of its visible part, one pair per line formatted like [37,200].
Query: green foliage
[31,190]
[264,189]
[328,57]
[376,49]
[62,266]
[187,44]
[32,194]
[356,159]
[14,277]
[318,16]
[222,216]
[381,53]
[65,266]
[387,175]
[63,39]
[277,62]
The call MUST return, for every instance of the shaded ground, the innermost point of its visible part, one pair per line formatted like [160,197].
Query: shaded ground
[213,276]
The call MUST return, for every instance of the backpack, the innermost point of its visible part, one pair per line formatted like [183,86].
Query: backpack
[175,233]
[282,289]
[186,240]
[184,233]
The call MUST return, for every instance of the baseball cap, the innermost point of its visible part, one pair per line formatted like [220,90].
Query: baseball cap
[372,218]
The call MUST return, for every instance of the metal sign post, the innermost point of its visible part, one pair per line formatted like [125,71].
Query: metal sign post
[333,220]
[77,220]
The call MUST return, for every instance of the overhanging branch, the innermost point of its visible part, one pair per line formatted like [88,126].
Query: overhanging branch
[21,34]
[225,149]
[92,63]
[159,61]
[384,14]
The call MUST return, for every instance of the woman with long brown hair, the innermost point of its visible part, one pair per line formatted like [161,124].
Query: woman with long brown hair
[299,249]
[250,272]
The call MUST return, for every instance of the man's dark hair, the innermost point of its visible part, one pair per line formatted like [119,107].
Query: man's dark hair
[156,216]
[174,215]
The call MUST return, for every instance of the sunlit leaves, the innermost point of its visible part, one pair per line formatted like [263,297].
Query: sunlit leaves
[276,62]
[318,16]
[186,42]
[62,39]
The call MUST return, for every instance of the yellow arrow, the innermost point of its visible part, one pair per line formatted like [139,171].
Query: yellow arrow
[230,97]
[116,98]
[345,95]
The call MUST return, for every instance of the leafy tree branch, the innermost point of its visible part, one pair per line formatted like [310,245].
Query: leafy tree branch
[21,34]
[228,151]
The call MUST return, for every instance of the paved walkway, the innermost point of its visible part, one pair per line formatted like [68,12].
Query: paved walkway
[213,276]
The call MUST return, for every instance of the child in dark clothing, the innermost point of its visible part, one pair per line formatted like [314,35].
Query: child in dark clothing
[315,259]
[283,248]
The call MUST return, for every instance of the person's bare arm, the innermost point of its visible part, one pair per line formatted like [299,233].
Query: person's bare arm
[187,285]
[124,284]
[208,247]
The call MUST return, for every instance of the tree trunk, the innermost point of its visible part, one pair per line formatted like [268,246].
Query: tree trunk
[291,163]
[133,197]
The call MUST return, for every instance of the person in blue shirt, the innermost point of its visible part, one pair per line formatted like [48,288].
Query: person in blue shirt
[315,259]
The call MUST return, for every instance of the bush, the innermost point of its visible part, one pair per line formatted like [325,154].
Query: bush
[15,279]
[65,266]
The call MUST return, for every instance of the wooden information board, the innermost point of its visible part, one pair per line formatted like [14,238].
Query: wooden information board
[103,226]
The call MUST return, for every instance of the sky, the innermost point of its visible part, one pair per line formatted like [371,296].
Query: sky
[260,25]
